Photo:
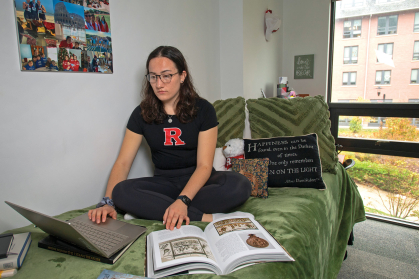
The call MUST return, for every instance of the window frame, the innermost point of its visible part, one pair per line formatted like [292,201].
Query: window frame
[385,49]
[350,55]
[353,4]
[392,148]
[351,32]
[383,73]
[416,25]
[387,27]
[415,54]
[349,78]
[417,76]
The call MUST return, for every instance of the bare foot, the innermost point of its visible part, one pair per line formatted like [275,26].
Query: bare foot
[207,218]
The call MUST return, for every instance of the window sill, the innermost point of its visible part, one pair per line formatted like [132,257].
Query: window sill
[386,35]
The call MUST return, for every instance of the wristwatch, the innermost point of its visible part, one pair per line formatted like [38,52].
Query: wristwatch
[105,201]
[185,200]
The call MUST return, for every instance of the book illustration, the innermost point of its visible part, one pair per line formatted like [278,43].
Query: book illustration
[256,241]
[183,248]
[234,224]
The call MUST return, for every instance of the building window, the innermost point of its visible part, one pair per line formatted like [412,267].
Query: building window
[350,55]
[382,77]
[386,48]
[352,28]
[416,26]
[352,3]
[386,1]
[387,25]
[349,78]
[414,77]
[416,51]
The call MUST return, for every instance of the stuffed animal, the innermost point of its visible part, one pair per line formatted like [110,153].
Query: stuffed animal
[234,148]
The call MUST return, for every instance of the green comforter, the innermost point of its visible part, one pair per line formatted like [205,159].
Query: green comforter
[312,225]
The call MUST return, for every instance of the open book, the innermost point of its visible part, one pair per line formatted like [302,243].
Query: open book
[228,243]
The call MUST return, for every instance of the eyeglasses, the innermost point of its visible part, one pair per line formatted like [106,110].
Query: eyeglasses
[166,78]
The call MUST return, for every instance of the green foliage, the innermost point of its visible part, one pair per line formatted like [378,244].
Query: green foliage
[61,57]
[398,129]
[355,125]
[386,177]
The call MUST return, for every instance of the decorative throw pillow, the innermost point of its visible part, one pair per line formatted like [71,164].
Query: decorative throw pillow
[276,117]
[294,161]
[230,115]
[256,170]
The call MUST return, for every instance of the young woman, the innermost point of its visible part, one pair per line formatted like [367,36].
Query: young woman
[181,130]
[66,64]
[104,25]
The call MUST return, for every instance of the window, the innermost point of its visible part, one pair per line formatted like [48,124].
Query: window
[352,28]
[387,25]
[382,120]
[349,78]
[414,77]
[416,25]
[352,3]
[386,48]
[350,55]
[382,100]
[416,51]
[382,77]
[386,1]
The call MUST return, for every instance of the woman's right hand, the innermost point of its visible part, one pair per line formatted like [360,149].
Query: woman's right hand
[99,214]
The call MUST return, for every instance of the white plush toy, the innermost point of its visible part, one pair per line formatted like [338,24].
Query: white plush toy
[234,148]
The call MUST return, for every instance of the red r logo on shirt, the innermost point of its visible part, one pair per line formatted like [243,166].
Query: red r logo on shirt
[173,133]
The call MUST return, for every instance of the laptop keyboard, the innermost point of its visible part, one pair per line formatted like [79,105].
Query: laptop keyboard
[105,239]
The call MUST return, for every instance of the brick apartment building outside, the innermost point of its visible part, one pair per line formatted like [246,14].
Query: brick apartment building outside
[361,77]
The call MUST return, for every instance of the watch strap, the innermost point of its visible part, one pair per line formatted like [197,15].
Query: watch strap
[105,201]
[185,199]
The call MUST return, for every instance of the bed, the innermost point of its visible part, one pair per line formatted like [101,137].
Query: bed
[312,225]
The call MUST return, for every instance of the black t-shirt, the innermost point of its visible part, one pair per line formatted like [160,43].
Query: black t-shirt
[174,145]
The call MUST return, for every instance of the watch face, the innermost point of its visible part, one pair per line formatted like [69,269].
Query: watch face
[185,200]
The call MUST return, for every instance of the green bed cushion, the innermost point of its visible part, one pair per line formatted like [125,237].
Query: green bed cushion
[312,225]
[231,116]
[276,117]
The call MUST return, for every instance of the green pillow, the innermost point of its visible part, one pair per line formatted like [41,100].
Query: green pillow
[276,117]
[230,115]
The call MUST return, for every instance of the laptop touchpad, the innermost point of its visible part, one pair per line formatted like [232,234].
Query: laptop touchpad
[109,224]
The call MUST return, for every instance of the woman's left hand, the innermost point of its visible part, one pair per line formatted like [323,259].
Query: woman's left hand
[177,212]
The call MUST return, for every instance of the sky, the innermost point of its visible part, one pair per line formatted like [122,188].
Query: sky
[71,8]
[47,4]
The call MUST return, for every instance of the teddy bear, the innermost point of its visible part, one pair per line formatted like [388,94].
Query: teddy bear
[233,148]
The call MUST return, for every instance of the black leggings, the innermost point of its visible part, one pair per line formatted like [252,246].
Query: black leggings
[149,197]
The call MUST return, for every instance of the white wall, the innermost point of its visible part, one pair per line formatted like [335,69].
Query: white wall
[231,48]
[306,31]
[60,133]
[262,63]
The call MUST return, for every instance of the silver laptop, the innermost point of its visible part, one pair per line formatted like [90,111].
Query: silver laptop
[104,239]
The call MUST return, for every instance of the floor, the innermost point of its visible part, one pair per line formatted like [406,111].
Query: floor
[382,250]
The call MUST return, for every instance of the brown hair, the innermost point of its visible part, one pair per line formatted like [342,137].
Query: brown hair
[152,109]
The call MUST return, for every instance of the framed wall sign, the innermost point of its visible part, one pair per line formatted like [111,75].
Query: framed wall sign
[64,36]
[303,66]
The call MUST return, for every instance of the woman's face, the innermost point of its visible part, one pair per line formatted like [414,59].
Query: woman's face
[66,57]
[166,92]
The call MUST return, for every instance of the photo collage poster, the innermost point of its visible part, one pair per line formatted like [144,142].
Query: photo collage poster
[64,35]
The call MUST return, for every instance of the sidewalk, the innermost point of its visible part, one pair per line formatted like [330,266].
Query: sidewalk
[372,199]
